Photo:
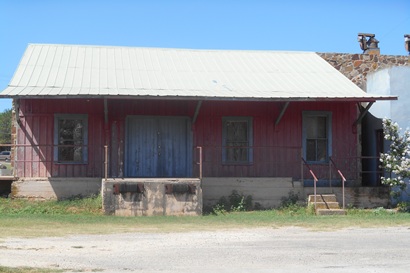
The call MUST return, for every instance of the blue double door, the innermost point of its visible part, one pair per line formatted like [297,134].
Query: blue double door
[158,146]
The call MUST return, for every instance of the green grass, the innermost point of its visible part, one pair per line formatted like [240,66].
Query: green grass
[24,218]
[4,269]
[75,206]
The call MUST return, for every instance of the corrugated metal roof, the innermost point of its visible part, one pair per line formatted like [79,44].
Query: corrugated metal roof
[102,71]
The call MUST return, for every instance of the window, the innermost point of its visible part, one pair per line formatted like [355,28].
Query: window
[70,138]
[237,139]
[317,141]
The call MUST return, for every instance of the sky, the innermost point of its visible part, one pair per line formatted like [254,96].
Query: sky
[292,25]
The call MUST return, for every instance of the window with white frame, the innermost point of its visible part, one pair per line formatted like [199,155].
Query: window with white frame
[317,136]
[237,140]
[70,138]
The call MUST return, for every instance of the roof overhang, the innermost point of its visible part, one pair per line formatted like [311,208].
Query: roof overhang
[369,98]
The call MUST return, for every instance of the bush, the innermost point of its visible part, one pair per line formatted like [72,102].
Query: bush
[396,161]
[235,202]
[291,200]
[403,207]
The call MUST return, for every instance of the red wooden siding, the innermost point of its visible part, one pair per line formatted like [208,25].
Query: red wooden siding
[276,150]
[37,130]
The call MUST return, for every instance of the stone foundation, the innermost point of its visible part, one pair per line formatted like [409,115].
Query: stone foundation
[147,197]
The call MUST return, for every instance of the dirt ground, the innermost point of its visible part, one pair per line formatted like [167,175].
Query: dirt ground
[243,250]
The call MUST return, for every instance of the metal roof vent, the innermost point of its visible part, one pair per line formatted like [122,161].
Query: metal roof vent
[407,42]
[368,43]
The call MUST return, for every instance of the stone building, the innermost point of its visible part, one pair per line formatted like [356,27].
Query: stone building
[376,73]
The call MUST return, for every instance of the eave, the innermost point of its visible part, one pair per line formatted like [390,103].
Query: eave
[206,98]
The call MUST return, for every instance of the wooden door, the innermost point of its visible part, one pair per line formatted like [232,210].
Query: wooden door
[158,147]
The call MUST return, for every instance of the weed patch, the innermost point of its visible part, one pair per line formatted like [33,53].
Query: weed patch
[233,203]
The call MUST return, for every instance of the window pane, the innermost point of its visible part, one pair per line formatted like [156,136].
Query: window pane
[310,150]
[316,137]
[236,140]
[236,154]
[321,127]
[237,132]
[65,154]
[311,127]
[70,139]
[321,150]
[316,127]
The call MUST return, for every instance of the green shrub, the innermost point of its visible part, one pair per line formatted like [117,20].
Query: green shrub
[290,200]
[403,207]
[235,202]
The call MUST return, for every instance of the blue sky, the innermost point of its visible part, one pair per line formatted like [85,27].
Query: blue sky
[320,26]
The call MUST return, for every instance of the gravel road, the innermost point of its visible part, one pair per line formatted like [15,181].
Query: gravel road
[243,250]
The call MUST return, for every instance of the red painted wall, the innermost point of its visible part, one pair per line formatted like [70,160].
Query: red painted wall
[276,150]
[37,130]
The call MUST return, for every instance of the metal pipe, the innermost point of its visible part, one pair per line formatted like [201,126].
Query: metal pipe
[301,170]
[314,179]
[343,181]
[200,162]
[105,162]
[343,187]
[330,175]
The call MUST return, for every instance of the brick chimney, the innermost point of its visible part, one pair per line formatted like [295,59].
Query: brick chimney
[368,43]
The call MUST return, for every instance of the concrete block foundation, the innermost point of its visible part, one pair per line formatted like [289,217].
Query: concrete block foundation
[147,197]
[266,192]
[269,192]
[158,199]
[49,188]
